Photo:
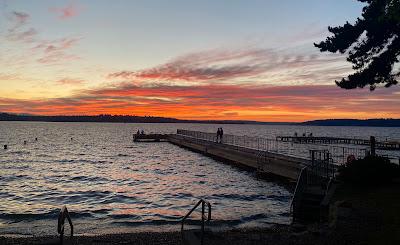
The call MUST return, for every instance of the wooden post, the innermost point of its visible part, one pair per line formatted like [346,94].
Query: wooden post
[372,144]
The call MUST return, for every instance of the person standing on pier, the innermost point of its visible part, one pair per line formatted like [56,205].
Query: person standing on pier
[218,134]
[221,134]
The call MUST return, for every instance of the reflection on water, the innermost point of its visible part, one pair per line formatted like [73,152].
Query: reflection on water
[108,182]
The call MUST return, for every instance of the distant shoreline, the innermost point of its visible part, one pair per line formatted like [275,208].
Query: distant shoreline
[149,119]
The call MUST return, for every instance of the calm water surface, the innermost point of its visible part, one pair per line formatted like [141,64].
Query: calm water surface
[111,184]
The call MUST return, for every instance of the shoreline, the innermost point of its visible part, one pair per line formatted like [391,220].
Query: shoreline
[94,230]
[235,235]
[277,235]
[359,216]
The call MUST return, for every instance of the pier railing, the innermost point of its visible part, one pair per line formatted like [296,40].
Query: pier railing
[339,154]
[245,141]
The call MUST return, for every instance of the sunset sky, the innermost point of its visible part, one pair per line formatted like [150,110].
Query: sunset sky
[247,60]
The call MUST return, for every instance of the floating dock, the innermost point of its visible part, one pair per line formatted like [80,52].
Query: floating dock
[150,137]
[386,145]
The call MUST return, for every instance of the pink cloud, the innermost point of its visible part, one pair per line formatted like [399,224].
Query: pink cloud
[56,51]
[69,11]
[19,18]
[70,81]
[56,45]
[43,51]
[229,66]
[19,32]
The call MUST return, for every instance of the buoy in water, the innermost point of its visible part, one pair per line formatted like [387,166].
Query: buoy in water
[5,147]
[35,139]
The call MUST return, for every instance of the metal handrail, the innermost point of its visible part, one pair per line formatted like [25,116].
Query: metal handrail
[203,217]
[301,182]
[64,214]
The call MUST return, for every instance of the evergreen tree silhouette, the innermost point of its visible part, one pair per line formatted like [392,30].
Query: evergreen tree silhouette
[372,45]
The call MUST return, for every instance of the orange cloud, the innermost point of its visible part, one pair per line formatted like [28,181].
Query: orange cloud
[283,103]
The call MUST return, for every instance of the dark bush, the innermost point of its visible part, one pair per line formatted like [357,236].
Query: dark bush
[371,170]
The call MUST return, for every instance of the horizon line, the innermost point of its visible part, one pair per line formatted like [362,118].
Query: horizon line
[198,120]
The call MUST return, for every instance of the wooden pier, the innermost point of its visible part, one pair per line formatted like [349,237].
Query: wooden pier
[386,145]
[264,162]
[312,176]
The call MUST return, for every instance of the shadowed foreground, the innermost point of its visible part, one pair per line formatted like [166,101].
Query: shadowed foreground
[370,216]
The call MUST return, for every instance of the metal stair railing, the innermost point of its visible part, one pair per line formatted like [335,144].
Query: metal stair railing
[64,214]
[203,217]
[298,191]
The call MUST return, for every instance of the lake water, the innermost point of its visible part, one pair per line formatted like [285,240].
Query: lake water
[111,184]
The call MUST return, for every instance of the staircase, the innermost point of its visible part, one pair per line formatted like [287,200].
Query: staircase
[313,189]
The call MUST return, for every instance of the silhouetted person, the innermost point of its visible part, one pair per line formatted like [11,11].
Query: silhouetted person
[304,134]
[24,142]
[221,134]
[35,139]
[142,131]
[218,134]
[295,134]
[138,131]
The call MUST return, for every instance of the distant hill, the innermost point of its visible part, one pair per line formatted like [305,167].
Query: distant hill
[118,119]
[149,119]
[98,118]
[355,122]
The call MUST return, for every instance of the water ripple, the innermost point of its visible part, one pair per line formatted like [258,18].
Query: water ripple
[106,179]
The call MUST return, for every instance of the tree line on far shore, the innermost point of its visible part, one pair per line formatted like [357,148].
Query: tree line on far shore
[149,119]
